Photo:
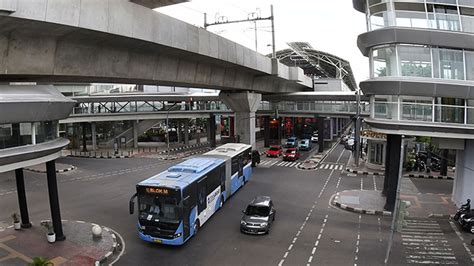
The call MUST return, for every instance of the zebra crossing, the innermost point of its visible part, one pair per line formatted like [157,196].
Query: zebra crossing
[425,243]
[331,166]
[275,162]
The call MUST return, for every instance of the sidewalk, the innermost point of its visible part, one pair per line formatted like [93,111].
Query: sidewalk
[362,169]
[19,247]
[143,148]
[372,201]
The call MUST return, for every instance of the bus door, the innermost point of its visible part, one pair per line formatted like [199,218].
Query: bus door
[201,195]
[241,166]
[186,213]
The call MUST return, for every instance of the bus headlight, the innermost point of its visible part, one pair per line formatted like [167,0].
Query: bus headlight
[177,235]
[142,227]
[263,224]
[243,223]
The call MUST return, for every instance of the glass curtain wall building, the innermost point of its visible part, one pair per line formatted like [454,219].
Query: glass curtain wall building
[421,55]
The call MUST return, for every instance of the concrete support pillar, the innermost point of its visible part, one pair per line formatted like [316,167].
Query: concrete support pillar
[266,131]
[231,126]
[54,200]
[392,173]
[84,139]
[20,188]
[178,131]
[186,132]
[211,130]
[33,133]
[444,163]
[135,134]
[388,146]
[244,104]
[94,135]
[464,180]
[320,122]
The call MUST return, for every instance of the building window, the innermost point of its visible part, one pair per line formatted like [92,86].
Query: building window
[415,61]
[376,153]
[384,62]
[14,135]
[448,64]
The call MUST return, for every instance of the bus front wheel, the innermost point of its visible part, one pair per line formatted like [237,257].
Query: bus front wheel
[196,227]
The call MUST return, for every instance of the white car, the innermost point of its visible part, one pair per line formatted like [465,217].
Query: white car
[314,138]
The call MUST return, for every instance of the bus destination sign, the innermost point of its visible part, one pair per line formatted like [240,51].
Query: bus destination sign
[157,190]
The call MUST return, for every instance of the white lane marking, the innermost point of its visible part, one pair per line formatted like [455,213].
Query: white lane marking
[281,262]
[327,166]
[290,247]
[310,259]
[297,164]
[313,251]
[361,183]
[331,166]
[274,163]
[375,184]
[280,164]
[286,255]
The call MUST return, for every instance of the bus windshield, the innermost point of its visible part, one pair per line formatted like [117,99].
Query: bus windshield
[164,209]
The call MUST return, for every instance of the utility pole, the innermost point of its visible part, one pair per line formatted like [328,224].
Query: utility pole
[357,130]
[252,17]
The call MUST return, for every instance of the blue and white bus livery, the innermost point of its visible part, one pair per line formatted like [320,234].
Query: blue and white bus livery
[174,204]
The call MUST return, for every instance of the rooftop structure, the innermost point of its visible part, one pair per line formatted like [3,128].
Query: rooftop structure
[317,64]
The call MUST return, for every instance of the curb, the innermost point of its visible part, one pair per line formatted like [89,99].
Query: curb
[101,156]
[57,171]
[358,210]
[362,211]
[407,176]
[363,172]
[320,159]
[430,176]
[109,254]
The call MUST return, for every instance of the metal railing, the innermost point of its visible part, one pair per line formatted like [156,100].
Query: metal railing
[159,106]
[424,112]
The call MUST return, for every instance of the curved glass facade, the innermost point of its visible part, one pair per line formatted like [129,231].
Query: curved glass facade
[422,61]
[424,109]
[20,134]
[450,15]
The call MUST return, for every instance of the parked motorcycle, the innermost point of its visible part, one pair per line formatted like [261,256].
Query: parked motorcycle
[465,208]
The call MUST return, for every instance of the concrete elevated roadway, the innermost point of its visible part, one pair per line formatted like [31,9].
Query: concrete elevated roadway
[118,41]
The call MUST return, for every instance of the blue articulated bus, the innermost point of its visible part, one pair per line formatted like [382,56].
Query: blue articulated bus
[174,204]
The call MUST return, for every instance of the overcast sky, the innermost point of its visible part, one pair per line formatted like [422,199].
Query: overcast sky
[328,25]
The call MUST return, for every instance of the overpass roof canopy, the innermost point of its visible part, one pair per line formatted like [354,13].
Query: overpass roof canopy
[316,63]
[157,3]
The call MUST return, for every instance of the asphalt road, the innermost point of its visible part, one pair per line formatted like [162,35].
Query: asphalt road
[307,230]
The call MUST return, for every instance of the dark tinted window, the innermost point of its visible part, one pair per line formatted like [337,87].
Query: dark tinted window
[257,210]
[246,156]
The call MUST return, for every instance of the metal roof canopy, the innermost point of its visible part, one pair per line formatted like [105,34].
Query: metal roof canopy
[317,64]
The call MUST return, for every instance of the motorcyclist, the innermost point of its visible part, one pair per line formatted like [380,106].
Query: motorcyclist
[467,205]
[464,208]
